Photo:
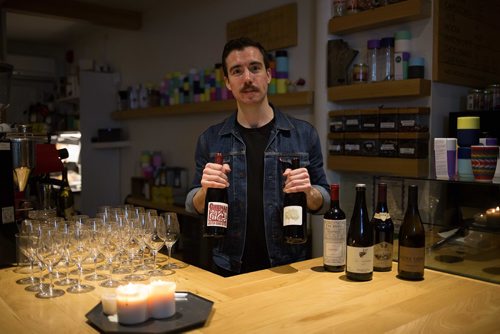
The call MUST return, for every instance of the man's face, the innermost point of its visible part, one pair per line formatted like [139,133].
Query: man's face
[247,77]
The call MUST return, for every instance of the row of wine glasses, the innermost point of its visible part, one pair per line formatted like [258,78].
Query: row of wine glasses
[120,236]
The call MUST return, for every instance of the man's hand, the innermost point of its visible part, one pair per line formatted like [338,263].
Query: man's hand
[298,180]
[214,176]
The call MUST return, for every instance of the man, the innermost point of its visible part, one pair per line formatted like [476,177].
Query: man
[257,142]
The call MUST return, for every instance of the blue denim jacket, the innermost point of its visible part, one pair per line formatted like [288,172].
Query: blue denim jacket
[289,138]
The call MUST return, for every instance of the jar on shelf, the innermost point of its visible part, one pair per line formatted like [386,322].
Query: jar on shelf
[475,99]
[336,143]
[495,96]
[373,46]
[360,73]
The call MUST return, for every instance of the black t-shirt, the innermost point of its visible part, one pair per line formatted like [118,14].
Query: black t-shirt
[255,255]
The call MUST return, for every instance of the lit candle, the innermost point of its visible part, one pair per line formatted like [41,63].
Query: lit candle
[161,301]
[493,217]
[108,301]
[132,303]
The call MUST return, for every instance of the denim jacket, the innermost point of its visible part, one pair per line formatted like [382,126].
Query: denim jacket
[290,137]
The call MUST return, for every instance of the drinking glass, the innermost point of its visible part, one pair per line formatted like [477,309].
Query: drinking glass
[142,250]
[94,225]
[27,246]
[65,230]
[79,250]
[107,245]
[135,237]
[154,237]
[49,252]
[172,234]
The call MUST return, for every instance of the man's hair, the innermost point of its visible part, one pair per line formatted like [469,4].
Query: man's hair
[240,44]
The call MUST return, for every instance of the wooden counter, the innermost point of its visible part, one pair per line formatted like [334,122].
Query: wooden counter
[296,298]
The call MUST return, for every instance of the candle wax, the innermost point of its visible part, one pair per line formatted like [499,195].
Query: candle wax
[132,303]
[161,301]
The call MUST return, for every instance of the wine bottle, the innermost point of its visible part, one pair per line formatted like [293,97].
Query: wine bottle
[384,232]
[334,234]
[65,200]
[295,214]
[360,240]
[411,259]
[216,208]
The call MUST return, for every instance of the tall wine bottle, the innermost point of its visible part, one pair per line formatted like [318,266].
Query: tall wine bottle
[295,214]
[360,240]
[216,208]
[65,200]
[334,234]
[411,260]
[384,232]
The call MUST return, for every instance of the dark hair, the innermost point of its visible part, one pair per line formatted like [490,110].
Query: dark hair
[240,44]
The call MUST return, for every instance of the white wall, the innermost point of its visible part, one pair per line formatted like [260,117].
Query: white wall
[177,36]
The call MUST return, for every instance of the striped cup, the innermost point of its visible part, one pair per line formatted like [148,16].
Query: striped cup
[484,162]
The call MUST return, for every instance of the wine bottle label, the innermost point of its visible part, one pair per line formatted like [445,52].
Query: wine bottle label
[383,255]
[360,259]
[8,214]
[217,214]
[411,259]
[334,242]
[292,215]
[383,216]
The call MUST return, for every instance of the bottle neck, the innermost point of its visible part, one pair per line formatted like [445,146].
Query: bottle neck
[334,196]
[413,199]
[382,198]
[360,198]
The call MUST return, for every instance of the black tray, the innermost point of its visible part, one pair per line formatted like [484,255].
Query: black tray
[191,312]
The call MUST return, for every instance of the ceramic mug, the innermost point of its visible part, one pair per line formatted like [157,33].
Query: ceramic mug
[484,162]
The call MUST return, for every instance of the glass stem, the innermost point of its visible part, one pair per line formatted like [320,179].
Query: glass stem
[49,268]
[169,249]
[80,274]
[154,259]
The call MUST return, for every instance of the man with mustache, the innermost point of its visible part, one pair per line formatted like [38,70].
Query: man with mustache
[256,141]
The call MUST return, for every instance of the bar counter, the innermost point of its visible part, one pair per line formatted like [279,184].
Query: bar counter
[296,298]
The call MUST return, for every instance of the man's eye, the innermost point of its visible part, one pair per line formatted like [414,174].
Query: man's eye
[255,68]
[236,71]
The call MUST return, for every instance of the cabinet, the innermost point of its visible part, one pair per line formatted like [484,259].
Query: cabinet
[397,91]
[461,238]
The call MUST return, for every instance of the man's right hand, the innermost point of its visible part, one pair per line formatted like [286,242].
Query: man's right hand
[214,176]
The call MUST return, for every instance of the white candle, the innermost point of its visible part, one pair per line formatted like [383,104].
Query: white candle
[132,303]
[108,301]
[161,301]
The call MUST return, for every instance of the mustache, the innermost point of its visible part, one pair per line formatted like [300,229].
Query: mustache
[249,88]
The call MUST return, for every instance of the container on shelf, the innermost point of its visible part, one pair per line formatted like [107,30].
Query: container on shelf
[413,145]
[352,144]
[360,73]
[336,121]
[413,119]
[369,120]
[352,120]
[363,144]
[388,144]
[388,119]
[336,143]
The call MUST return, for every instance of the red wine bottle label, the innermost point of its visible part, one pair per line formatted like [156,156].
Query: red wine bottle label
[292,215]
[217,214]
[334,238]
[360,259]
[411,259]
[383,255]
[383,216]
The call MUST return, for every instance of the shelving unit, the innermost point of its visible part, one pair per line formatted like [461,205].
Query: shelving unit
[404,11]
[295,99]
[379,165]
[383,89]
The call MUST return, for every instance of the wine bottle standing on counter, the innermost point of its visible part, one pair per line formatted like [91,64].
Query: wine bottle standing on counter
[216,208]
[65,200]
[334,234]
[383,232]
[411,259]
[295,214]
[360,240]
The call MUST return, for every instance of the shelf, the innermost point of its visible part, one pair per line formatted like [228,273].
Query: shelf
[296,99]
[384,89]
[69,99]
[110,144]
[379,165]
[409,10]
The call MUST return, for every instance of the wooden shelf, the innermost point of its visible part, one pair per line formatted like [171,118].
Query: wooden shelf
[409,10]
[384,89]
[69,99]
[110,144]
[379,165]
[296,99]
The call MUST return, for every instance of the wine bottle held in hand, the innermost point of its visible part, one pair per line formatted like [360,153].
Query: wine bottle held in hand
[384,232]
[360,240]
[216,208]
[295,214]
[334,234]
[411,259]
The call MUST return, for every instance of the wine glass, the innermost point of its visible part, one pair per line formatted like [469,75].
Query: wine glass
[94,225]
[172,234]
[134,240]
[49,252]
[107,245]
[27,246]
[154,237]
[65,230]
[79,250]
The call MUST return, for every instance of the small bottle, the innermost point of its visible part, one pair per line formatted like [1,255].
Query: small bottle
[65,200]
[334,234]
[387,50]
[373,49]
[411,259]
[360,240]
[133,97]
[384,232]
[216,208]
[295,214]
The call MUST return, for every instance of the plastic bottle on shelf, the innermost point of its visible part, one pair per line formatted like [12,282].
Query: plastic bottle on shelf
[373,46]
[387,50]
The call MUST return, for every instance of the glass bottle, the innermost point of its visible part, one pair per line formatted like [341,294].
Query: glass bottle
[360,240]
[295,214]
[216,208]
[384,232]
[411,259]
[373,46]
[387,50]
[65,200]
[334,234]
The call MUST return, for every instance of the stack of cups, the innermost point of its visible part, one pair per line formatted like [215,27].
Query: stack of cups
[401,54]
[445,153]
[468,130]
[281,71]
